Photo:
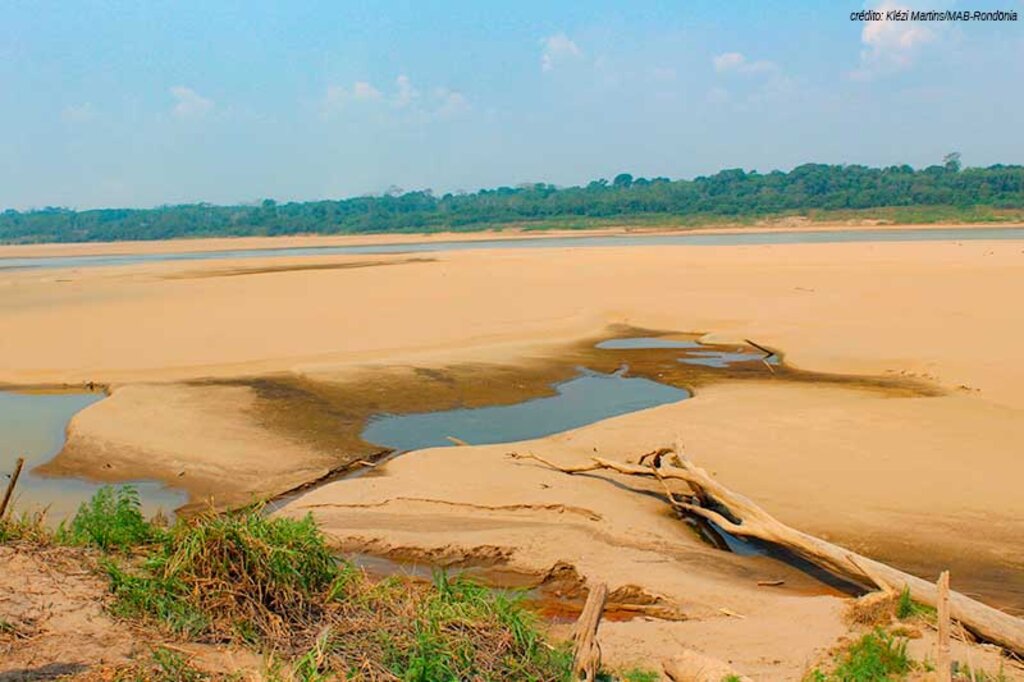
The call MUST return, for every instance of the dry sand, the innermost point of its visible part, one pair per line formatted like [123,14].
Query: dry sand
[901,477]
[205,439]
[938,309]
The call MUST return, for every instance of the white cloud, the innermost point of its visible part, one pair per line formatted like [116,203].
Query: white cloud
[337,96]
[728,61]
[363,91]
[450,102]
[406,94]
[890,45]
[736,62]
[558,49]
[189,103]
[440,101]
[78,113]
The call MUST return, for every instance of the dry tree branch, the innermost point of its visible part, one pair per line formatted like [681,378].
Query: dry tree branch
[738,515]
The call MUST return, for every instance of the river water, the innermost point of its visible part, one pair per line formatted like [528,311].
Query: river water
[33,426]
[585,241]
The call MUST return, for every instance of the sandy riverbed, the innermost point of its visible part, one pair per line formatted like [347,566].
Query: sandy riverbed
[854,464]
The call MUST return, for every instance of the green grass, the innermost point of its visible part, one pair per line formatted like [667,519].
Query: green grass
[964,672]
[111,520]
[875,657]
[461,630]
[163,665]
[908,608]
[273,585]
[238,575]
[7,628]
[445,631]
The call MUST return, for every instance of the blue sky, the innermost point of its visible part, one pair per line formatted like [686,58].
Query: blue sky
[144,103]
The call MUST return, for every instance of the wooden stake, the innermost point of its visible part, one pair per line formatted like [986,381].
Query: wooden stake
[10,486]
[586,658]
[943,667]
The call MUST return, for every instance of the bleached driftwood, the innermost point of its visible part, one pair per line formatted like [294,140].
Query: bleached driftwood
[586,659]
[738,515]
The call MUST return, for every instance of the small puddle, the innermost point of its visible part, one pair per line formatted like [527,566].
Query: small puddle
[696,352]
[588,398]
[33,426]
[646,343]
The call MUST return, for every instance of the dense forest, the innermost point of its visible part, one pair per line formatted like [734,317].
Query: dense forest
[733,195]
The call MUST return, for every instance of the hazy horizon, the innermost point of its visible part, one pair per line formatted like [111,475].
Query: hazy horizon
[127,106]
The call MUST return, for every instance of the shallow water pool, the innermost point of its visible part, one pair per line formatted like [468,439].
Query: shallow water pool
[33,426]
[583,400]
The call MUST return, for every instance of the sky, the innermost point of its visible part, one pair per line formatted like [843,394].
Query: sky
[108,104]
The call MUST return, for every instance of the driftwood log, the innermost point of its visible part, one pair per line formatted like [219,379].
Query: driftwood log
[737,515]
[586,658]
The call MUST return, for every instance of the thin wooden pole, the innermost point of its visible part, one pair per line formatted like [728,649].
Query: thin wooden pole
[943,663]
[10,486]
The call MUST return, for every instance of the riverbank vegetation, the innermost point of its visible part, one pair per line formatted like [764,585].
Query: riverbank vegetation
[815,191]
[245,583]
[271,585]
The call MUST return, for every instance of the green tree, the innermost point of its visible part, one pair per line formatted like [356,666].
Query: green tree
[952,161]
[623,180]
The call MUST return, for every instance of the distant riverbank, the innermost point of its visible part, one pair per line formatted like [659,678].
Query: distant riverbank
[130,253]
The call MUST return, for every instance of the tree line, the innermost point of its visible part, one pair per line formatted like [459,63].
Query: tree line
[729,194]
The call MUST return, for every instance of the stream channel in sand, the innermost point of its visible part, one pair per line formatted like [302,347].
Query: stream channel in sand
[33,424]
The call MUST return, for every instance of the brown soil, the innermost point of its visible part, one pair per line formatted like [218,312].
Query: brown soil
[54,624]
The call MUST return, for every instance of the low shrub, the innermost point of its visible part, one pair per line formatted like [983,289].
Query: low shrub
[111,520]
[875,657]
[238,574]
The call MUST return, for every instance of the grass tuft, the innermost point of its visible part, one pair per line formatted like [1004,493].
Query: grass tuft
[964,673]
[875,657]
[25,527]
[163,665]
[238,575]
[907,608]
[111,520]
